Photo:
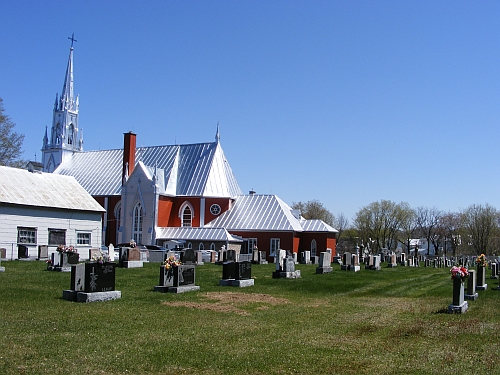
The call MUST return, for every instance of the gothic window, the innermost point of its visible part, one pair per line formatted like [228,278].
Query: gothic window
[212,246]
[201,246]
[118,215]
[57,135]
[186,214]
[71,131]
[137,223]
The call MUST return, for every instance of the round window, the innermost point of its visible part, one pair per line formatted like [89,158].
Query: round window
[215,209]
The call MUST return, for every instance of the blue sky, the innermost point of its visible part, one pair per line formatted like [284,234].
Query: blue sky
[347,102]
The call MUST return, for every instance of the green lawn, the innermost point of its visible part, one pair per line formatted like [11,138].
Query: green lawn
[388,322]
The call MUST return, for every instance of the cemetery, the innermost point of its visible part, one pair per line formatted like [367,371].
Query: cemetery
[410,317]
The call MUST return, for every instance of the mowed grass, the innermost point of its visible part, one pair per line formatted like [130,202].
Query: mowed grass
[392,321]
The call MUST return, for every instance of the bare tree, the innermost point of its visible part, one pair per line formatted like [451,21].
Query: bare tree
[379,223]
[314,210]
[408,226]
[428,220]
[451,226]
[481,225]
[10,142]
[341,223]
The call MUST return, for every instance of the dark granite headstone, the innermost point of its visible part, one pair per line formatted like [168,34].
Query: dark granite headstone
[245,270]
[166,276]
[99,277]
[189,256]
[69,259]
[184,275]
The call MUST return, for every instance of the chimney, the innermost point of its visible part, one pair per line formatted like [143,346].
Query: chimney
[128,153]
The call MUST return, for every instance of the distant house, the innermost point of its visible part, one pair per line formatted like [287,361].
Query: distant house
[45,209]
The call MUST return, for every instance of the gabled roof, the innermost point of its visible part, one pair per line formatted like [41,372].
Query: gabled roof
[199,169]
[18,186]
[258,212]
[192,233]
[265,213]
[316,226]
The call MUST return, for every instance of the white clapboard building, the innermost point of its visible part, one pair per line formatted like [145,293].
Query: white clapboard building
[46,209]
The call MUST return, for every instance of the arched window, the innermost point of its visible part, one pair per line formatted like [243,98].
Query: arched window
[189,245]
[118,216]
[186,214]
[71,131]
[212,246]
[137,223]
[313,248]
[201,246]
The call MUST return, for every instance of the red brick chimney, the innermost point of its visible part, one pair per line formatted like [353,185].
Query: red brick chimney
[129,142]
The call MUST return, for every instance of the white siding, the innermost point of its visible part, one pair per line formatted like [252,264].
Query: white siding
[12,217]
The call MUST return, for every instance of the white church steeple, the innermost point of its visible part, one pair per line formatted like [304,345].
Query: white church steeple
[65,138]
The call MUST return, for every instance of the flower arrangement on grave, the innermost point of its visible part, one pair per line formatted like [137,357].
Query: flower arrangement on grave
[481,261]
[132,243]
[171,262]
[101,258]
[459,273]
[66,249]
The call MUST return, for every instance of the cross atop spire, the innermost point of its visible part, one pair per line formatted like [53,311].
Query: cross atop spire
[72,39]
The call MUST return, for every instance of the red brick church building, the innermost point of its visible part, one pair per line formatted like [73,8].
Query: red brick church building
[183,193]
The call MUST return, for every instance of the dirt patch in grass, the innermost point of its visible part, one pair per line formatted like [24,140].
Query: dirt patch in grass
[230,302]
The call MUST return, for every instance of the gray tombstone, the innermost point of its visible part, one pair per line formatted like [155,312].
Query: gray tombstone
[43,251]
[471,293]
[280,257]
[288,264]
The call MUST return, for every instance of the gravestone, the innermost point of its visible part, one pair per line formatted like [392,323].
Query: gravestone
[213,256]
[481,278]
[471,293]
[130,257]
[355,267]
[325,265]
[284,266]
[199,258]
[458,305]
[180,280]
[493,270]
[263,257]
[111,251]
[392,261]
[346,261]
[255,256]
[305,257]
[92,282]
[237,274]
[231,256]
[374,263]
[62,261]
[43,251]
[403,259]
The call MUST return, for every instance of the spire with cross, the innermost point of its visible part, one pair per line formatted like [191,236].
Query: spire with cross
[72,39]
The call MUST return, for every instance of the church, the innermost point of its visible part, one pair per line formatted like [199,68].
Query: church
[183,194]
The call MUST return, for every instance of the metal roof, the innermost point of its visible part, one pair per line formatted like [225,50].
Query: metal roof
[18,186]
[198,234]
[316,226]
[187,170]
[258,212]
[265,213]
